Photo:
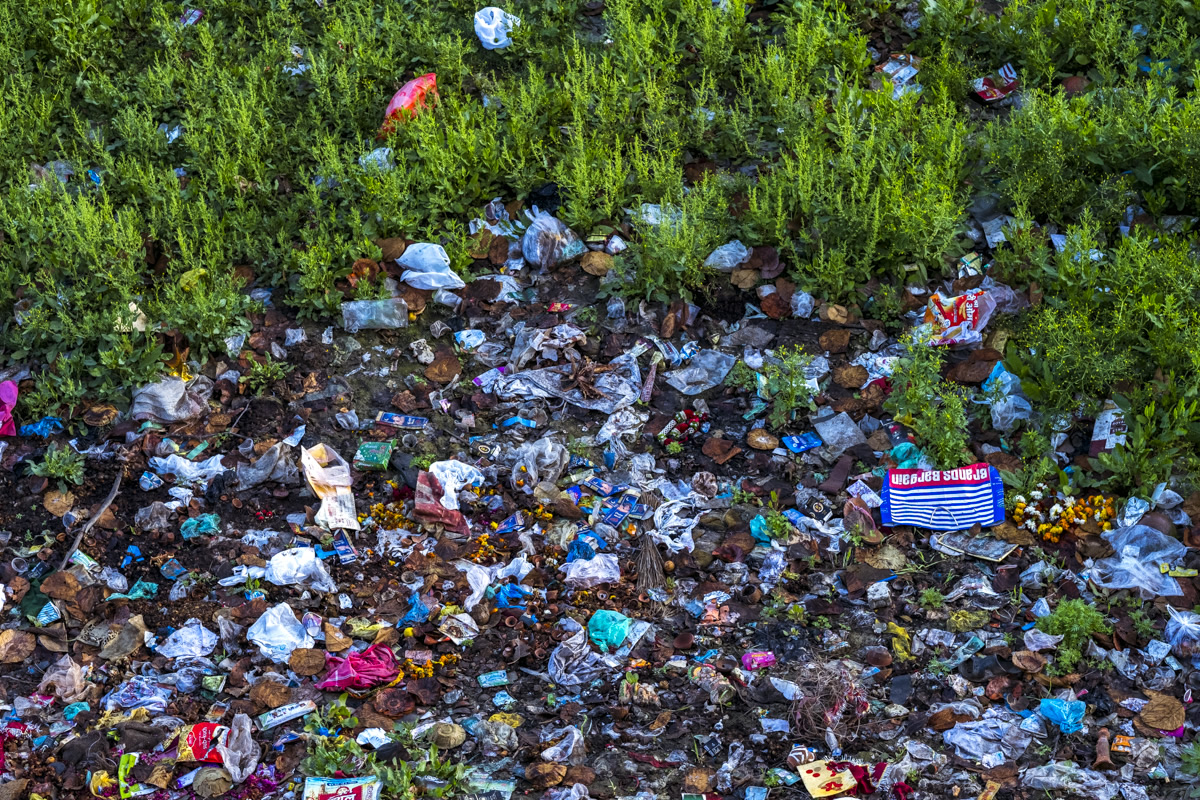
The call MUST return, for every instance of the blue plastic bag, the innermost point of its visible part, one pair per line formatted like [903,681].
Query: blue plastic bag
[1066,714]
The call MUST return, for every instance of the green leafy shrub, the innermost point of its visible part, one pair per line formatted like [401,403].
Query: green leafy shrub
[932,407]
[61,463]
[1075,621]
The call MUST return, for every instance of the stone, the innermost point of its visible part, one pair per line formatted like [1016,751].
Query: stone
[835,341]
[759,439]
[775,307]
[850,376]
[596,262]
[445,367]
[970,372]
[720,450]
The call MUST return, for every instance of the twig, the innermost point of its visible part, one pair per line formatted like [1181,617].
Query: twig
[112,495]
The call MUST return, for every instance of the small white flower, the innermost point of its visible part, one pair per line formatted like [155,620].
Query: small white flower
[1020,498]
[1036,495]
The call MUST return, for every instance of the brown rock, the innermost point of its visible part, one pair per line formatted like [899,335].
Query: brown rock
[394,702]
[835,341]
[307,661]
[563,507]
[720,450]
[879,441]
[16,646]
[392,248]
[58,503]
[268,694]
[850,376]
[543,775]
[775,307]
[698,780]
[834,313]
[580,774]
[878,656]
[1075,84]
[445,366]
[497,251]
[744,278]
[1005,462]
[971,372]
[596,262]
[759,439]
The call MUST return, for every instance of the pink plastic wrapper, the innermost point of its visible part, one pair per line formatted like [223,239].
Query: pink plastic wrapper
[374,666]
[757,659]
[410,99]
[8,401]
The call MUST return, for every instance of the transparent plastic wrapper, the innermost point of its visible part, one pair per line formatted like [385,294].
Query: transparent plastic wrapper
[1071,779]
[608,629]
[171,400]
[239,752]
[154,517]
[277,633]
[427,266]
[706,370]
[570,748]
[839,433]
[728,257]
[548,241]
[478,578]
[573,663]
[495,737]
[300,565]
[374,315]
[543,460]
[454,476]
[187,472]
[1183,632]
[64,680]
[803,304]
[494,27]
[586,574]
[619,388]
[1008,412]
[328,476]
[273,466]
[191,640]
[1139,552]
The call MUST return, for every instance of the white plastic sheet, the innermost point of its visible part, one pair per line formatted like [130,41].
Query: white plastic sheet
[190,641]
[277,633]
[426,266]
[300,565]
[494,27]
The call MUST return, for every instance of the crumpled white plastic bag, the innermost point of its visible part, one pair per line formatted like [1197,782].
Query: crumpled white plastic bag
[454,475]
[300,565]
[192,640]
[493,26]
[728,257]
[585,574]
[277,633]
[426,266]
[239,752]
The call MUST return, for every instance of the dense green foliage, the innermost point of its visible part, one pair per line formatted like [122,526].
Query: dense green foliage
[236,142]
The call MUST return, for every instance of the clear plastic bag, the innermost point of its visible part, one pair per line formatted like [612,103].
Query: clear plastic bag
[1139,551]
[277,633]
[570,748]
[543,460]
[586,574]
[1009,411]
[373,315]
[190,641]
[1183,632]
[706,370]
[239,752]
[728,257]
[573,663]
[453,476]
[548,241]
[171,400]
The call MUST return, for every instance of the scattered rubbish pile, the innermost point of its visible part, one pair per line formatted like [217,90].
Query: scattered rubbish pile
[530,546]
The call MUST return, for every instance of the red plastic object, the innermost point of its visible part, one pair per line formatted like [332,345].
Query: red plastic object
[374,666]
[410,99]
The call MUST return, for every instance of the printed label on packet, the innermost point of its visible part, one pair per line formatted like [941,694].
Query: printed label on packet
[278,716]
[344,548]
[623,509]
[601,487]
[401,421]
[497,678]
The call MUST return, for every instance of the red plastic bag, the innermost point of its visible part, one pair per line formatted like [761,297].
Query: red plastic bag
[374,666]
[406,102]
[428,508]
